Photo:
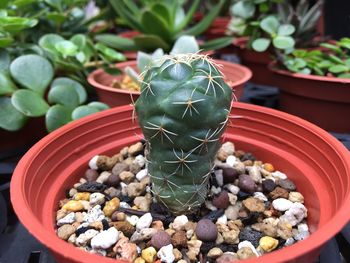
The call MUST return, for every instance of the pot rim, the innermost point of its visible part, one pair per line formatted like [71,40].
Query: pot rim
[273,67]
[45,236]
[247,75]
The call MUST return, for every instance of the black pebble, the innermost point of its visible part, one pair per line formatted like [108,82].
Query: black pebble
[228,248]
[82,230]
[252,218]
[105,224]
[268,185]
[243,195]
[281,243]
[251,235]
[91,187]
[214,215]
[206,246]
[127,199]
[248,156]
[213,181]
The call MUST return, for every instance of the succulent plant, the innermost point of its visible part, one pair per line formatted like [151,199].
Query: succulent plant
[183,110]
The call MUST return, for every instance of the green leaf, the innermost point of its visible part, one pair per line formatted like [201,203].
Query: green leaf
[10,118]
[325,64]
[5,60]
[150,43]
[332,47]
[64,95]
[261,44]
[79,89]
[344,76]
[112,70]
[270,25]
[14,24]
[111,54]
[286,30]
[33,72]
[67,48]
[185,44]
[6,84]
[3,3]
[98,105]
[338,69]
[49,41]
[335,59]
[305,71]
[310,19]
[6,41]
[57,116]
[57,4]
[217,43]
[161,11]
[143,61]
[283,42]
[243,9]
[55,17]
[162,30]
[79,40]
[29,103]
[83,111]
[299,53]
[181,20]
[116,42]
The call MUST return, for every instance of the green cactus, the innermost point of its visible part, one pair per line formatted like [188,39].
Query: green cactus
[183,110]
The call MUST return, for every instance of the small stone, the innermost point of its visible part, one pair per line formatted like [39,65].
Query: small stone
[267,228]
[96,225]
[232,212]
[126,176]
[215,190]
[97,199]
[105,239]
[135,149]
[295,214]
[254,205]
[268,185]
[206,230]
[193,249]
[68,219]
[239,167]
[84,238]
[140,160]
[219,240]
[179,222]
[103,177]
[229,175]
[149,254]
[269,167]
[254,172]
[134,168]
[246,183]
[93,162]
[177,254]
[135,189]
[245,253]
[232,188]
[179,239]
[143,202]
[111,206]
[268,244]
[231,160]
[65,231]
[215,252]
[112,191]
[144,234]
[228,147]
[72,239]
[289,242]
[279,192]
[72,192]
[222,220]
[250,235]
[157,225]
[125,250]
[281,204]
[284,230]
[279,175]
[296,197]
[165,254]
[125,227]
[221,201]
[118,216]
[287,184]
[231,236]
[248,156]
[79,217]
[139,260]
[132,219]
[113,180]
[73,206]
[144,221]
[260,196]
[160,239]
[141,174]
[120,167]
[91,175]
[91,187]
[226,258]
[94,214]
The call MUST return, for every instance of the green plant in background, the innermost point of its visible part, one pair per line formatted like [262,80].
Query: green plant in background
[333,60]
[24,83]
[160,23]
[183,110]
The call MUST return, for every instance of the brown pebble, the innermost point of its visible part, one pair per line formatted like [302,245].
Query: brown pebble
[206,230]
[226,258]
[118,216]
[279,192]
[120,167]
[229,174]
[269,167]
[65,231]
[113,180]
[125,227]
[246,183]
[254,204]
[157,225]
[221,201]
[160,239]
[245,253]
[179,239]
[91,175]
[135,149]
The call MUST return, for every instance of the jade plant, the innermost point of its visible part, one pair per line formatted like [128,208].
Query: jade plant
[24,85]
[183,109]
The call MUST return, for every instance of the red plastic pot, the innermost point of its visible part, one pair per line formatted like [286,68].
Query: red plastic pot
[217,28]
[236,74]
[316,161]
[324,101]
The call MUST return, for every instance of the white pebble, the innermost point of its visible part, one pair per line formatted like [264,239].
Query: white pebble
[124,205]
[290,241]
[85,204]
[68,219]
[144,222]
[302,232]
[260,196]
[295,214]
[94,214]
[141,174]
[222,220]
[303,227]
[215,190]
[165,254]
[233,198]
[140,160]
[85,237]
[248,244]
[279,175]
[93,162]
[231,160]
[105,239]
[228,147]
[98,252]
[210,206]
[179,222]
[282,204]
[97,199]
[132,219]
[255,174]
[219,177]
[232,188]
[103,177]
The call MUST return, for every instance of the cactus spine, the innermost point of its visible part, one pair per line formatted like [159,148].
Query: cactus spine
[183,110]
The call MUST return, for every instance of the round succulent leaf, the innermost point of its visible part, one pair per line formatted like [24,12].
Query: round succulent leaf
[83,111]
[243,9]
[65,95]
[67,48]
[10,118]
[5,60]
[98,105]
[270,25]
[33,72]
[49,41]
[185,44]
[29,103]
[261,44]
[6,84]
[338,69]
[79,40]
[286,30]
[79,89]
[5,41]
[13,24]
[283,42]
[57,116]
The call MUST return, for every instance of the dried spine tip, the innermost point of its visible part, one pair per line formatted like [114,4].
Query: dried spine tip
[183,110]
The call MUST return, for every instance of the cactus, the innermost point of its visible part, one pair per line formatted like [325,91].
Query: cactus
[183,110]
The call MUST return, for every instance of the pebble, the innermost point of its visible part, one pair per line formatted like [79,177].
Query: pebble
[248,244]
[251,235]
[65,231]
[113,180]
[165,254]
[222,200]
[296,197]
[287,184]
[141,174]
[103,177]
[135,149]
[177,254]
[206,230]
[231,236]
[105,239]
[93,162]
[120,167]
[254,205]
[160,239]
[179,239]
[295,214]
[232,188]
[246,183]
[229,175]
[193,249]
[254,173]
[91,175]
[215,253]
[73,206]
[97,199]
[281,204]
[302,232]
[260,196]
[245,253]
[227,257]
[126,176]
[269,167]
[126,250]
[219,177]
[222,220]
[139,260]
[279,175]
[290,241]
[125,227]
[135,189]
[232,212]
[179,222]
[68,219]
[228,147]
[144,221]
[157,224]
[118,216]
[91,187]
[268,244]
[132,219]
[85,237]
[94,214]
[231,160]
[268,185]
[279,192]
[143,202]
[149,254]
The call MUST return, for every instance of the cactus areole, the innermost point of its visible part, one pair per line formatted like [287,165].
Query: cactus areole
[183,110]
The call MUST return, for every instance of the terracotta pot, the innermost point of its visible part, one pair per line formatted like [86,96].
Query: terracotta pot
[316,161]
[324,101]
[217,28]
[237,76]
